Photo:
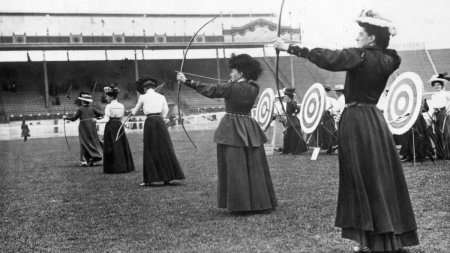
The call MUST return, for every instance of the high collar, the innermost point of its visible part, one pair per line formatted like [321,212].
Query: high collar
[150,91]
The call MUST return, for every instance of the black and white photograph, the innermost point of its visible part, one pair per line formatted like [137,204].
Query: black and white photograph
[225,126]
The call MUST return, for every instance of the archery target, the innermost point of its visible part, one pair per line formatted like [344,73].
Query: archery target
[404,102]
[264,109]
[313,106]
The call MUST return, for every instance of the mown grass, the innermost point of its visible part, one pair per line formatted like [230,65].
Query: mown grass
[50,204]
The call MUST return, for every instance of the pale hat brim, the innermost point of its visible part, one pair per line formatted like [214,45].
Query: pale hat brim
[86,99]
[437,79]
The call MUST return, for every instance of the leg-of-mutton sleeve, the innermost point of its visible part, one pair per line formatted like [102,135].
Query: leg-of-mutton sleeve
[332,60]
[165,108]
[138,105]
[221,90]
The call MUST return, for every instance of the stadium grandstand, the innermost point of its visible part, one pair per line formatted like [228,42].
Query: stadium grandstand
[42,54]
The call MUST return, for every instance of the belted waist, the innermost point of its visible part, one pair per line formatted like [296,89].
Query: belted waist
[115,118]
[440,109]
[238,114]
[153,114]
[358,104]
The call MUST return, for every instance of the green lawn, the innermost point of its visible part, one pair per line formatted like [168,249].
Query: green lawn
[49,203]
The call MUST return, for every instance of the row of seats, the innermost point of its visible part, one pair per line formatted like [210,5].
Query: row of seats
[29,98]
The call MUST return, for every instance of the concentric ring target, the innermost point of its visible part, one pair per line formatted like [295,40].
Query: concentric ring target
[313,106]
[264,109]
[403,103]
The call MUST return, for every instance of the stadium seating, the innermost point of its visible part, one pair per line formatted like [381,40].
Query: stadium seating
[29,96]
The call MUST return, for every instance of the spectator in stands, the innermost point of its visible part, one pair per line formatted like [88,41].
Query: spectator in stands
[91,150]
[293,142]
[160,161]
[13,86]
[440,111]
[25,131]
[117,156]
[374,207]
[244,181]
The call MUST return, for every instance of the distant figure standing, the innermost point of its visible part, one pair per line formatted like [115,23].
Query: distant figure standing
[293,143]
[25,131]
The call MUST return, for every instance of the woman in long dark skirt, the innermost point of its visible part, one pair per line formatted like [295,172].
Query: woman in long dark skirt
[117,156]
[440,111]
[374,207]
[416,142]
[160,162]
[293,143]
[91,150]
[244,181]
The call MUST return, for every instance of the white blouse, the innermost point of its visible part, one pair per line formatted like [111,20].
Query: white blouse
[113,110]
[152,102]
[440,99]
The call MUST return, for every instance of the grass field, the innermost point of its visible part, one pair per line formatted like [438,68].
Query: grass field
[50,204]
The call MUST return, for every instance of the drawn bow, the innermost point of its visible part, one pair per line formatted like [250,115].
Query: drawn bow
[277,67]
[179,83]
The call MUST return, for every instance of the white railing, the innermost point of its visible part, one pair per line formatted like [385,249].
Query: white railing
[55,128]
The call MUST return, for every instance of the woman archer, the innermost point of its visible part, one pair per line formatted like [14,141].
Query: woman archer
[374,207]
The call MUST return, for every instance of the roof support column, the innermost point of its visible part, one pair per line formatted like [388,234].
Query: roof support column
[136,66]
[45,81]
[218,65]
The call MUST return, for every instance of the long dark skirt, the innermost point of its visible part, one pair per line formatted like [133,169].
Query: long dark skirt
[327,133]
[293,143]
[374,207]
[420,147]
[117,156]
[440,134]
[244,181]
[160,161]
[90,147]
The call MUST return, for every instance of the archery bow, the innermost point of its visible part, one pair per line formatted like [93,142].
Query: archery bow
[277,67]
[118,135]
[179,82]
[64,111]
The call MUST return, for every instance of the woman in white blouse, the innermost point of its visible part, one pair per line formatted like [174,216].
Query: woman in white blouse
[117,156]
[440,110]
[160,162]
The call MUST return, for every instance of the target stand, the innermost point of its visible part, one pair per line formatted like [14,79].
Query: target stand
[403,104]
[311,112]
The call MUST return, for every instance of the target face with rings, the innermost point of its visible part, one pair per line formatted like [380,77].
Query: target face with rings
[313,106]
[264,109]
[404,102]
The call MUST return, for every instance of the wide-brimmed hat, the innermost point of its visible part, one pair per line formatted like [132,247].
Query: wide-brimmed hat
[289,91]
[442,78]
[85,97]
[373,18]
[338,87]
